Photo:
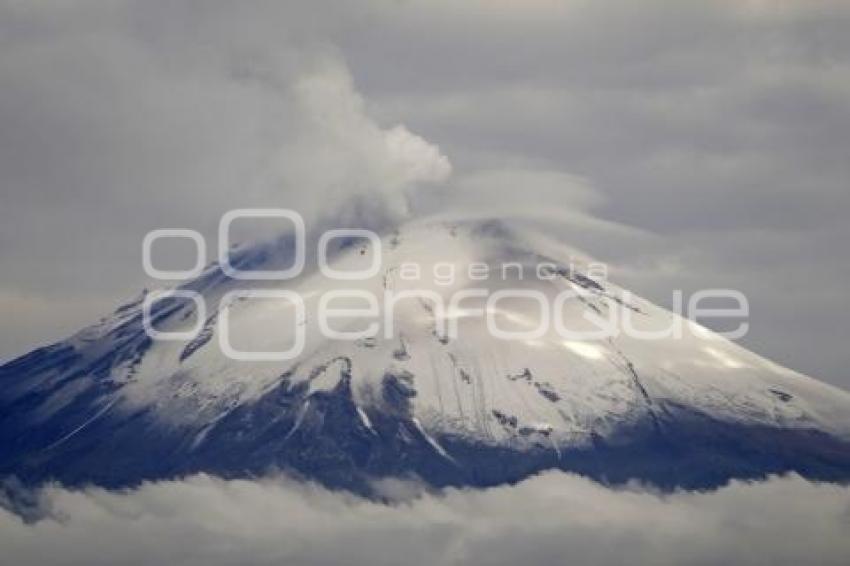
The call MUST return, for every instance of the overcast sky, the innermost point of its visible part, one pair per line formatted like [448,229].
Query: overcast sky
[690,144]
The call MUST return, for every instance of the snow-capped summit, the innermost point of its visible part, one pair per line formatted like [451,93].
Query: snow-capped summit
[429,391]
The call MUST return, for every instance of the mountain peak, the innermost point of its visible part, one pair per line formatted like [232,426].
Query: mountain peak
[419,384]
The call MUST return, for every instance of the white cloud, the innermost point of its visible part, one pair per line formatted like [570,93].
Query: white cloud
[550,519]
[341,152]
[416,158]
[529,189]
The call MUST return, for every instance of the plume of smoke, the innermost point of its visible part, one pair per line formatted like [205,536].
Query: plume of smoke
[344,159]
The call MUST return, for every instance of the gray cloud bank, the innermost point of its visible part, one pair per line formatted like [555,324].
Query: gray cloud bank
[550,519]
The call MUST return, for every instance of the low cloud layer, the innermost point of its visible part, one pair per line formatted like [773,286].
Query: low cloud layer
[550,519]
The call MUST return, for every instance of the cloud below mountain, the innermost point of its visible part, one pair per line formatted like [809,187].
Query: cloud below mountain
[553,518]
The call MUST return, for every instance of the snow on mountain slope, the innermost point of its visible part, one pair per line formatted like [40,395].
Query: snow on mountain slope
[441,398]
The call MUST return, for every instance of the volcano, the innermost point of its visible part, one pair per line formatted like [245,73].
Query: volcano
[113,406]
